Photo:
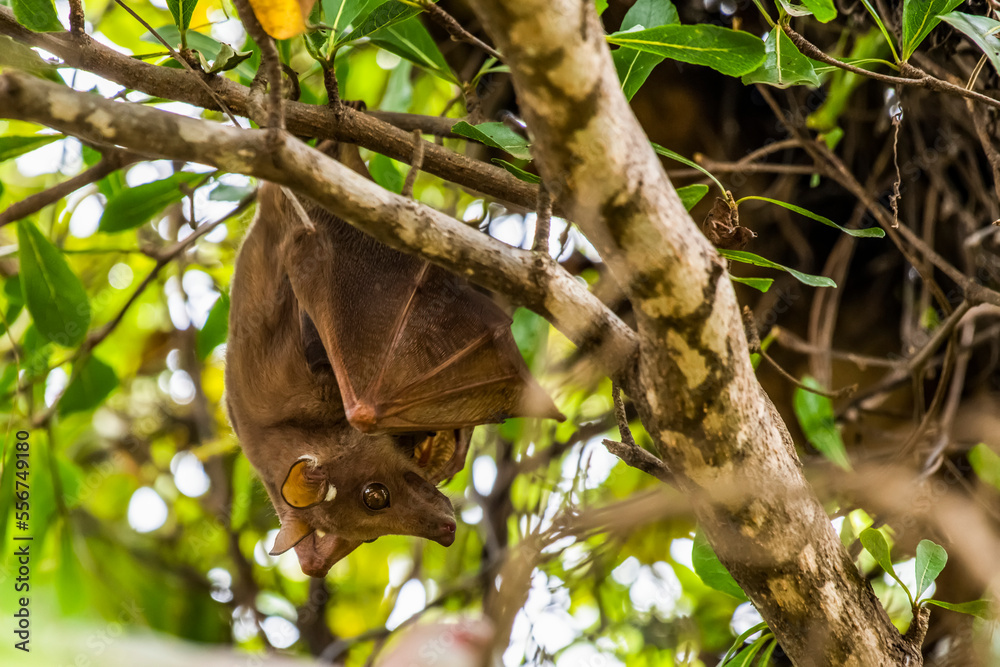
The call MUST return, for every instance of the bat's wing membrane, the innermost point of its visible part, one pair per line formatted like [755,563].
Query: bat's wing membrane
[412,346]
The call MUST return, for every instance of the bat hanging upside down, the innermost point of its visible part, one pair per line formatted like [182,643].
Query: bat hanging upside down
[354,374]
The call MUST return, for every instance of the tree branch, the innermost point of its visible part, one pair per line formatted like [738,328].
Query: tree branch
[698,396]
[396,221]
[82,52]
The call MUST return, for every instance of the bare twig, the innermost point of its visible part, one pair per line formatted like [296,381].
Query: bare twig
[415,163]
[543,220]
[271,66]
[455,29]
[111,162]
[913,76]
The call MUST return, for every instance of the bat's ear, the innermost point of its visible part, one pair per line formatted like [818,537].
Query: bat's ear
[442,454]
[292,532]
[306,485]
[318,553]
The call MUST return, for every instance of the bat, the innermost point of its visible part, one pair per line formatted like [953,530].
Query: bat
[354,374]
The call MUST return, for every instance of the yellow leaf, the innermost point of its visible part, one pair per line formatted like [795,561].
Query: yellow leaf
[282,19]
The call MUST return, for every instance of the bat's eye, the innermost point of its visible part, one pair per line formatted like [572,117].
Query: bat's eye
[376,496]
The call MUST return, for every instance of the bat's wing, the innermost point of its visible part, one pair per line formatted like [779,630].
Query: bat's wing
[412,346]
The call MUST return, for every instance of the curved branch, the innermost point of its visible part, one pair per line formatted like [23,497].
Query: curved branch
[408,226]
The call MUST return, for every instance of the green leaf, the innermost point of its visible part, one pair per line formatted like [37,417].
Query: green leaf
[871,232]
[226,59]
[182,10]
[783,65]
[816,417]
[746,657]
[226,192]
[757,260]
[385,15]
[15,301]
[739,641]
[37,15]
[980,608]
[666,152]
[650,14]
[692,194]
[875,543]
[525,176]
[215,330]
[496,135]
[11,147]
[52,292]
[398,89]
[338,14]
[986,464]
[881,26]
[981,30]
[203,44]
[20,56]
[89,388]
[765,656]
[823,10]
[385,173]
[634,66]
[410,39]
[712,572]
[760,284]
[136,206]
[601,5]
[931,559]
[724,50]
[919,18]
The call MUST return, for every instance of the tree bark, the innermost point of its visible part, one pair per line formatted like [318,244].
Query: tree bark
[697,393]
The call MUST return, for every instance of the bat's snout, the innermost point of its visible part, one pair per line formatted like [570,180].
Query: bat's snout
[446,534]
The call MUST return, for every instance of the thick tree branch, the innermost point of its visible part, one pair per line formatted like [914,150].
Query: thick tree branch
[698,396]
[82,52]
[396,221]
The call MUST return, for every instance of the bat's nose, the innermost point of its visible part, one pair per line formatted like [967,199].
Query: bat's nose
[446,534]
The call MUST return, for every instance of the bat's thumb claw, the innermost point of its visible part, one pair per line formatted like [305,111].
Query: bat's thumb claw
[362,416]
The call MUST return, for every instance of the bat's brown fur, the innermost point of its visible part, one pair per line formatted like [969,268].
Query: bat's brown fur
[321,314]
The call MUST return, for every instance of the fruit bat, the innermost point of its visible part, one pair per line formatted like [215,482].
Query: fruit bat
[354,374]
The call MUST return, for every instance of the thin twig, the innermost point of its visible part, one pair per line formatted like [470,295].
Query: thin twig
[914,76]
[840,393]
[77,19]
[110,162]
[416,161]
[270,64]
[455,29]
[543,220]
[176,56]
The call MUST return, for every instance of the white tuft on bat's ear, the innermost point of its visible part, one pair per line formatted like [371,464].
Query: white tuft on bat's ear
[331,493]
[311,458]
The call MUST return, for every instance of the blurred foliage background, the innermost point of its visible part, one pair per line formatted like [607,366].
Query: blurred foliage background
[146,518]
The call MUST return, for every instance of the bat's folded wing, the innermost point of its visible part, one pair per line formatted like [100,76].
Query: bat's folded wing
[412,346]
